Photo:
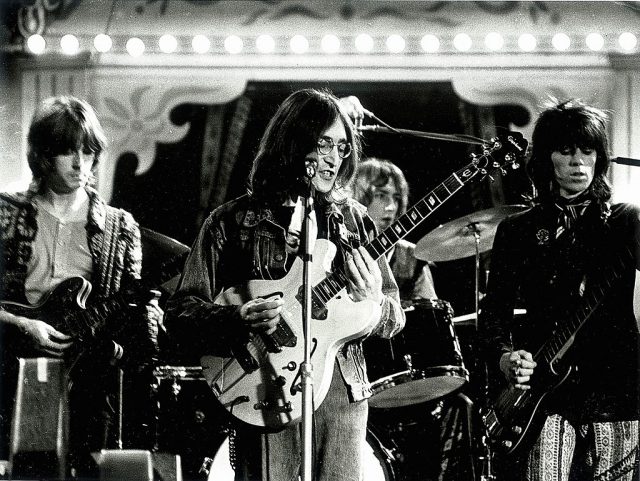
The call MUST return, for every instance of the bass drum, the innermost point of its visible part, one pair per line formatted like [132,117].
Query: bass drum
[377,462]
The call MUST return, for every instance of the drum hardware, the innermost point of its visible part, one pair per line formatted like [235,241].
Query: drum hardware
[470,319]
[469,236]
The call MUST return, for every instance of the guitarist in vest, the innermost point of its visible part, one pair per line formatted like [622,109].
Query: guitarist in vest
[573,260]
[257,236]
[59,229]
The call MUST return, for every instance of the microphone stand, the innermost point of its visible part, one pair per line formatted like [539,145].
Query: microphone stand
[306,368]
[460,138]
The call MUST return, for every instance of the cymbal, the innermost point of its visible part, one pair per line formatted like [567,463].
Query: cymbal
[456,239]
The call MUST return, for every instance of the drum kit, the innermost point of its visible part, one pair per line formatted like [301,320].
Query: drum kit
[414,376]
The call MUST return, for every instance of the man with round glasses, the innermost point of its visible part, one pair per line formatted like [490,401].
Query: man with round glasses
[258,236]
[326,145]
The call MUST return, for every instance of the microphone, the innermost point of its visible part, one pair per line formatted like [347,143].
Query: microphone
[626,161]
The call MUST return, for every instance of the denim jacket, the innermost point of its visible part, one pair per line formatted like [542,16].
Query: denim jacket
[241,241]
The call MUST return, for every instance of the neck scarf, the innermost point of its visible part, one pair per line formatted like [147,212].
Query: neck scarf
[570,210]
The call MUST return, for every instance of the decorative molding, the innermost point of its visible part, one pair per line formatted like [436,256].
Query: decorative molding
[534,88]
[135,107]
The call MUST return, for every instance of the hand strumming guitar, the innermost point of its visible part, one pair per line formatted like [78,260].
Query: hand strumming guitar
[518,367]
[262,315]
[43,336]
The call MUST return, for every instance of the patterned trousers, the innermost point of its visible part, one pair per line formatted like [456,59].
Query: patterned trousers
[596,451]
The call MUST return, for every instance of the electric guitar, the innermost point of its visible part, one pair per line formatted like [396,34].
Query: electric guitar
[260,384]
[65,309]
[516,418]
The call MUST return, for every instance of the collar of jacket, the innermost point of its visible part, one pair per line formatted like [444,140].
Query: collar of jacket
[97,206]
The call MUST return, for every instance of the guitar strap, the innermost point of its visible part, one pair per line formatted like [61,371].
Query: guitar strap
[108,250]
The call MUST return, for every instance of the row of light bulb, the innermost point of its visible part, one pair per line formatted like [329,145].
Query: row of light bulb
[331,44]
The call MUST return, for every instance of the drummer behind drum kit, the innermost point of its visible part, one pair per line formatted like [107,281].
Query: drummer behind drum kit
[419,367]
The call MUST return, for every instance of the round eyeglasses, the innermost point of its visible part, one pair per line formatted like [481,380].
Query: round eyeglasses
[325,145]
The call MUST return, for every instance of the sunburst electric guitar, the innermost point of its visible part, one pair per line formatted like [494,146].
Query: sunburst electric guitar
[260,384]
[515,419]
[65,308]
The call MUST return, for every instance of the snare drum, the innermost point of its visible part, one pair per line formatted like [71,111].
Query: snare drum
[421,363]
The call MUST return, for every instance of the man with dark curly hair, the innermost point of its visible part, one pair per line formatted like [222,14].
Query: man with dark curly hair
[573,257]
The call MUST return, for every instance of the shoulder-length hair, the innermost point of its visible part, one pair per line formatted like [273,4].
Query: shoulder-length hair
[374,173]
[62,125]
[292,133]
[569,124]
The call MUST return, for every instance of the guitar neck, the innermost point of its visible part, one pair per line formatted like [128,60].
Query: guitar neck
[588,305]
[385,241]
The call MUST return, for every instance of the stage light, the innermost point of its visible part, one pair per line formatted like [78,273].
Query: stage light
[102,43]
[462,42]
[594,41]
[561,41]
[299,44]
[364,43]
[627,41]
[527,42]
[69,44]
[233,44]
[430,43]
[135,47]
[200,44]
[330,44]
[395,43]
[265,44]
[494,41]
[36,44]
[168,43]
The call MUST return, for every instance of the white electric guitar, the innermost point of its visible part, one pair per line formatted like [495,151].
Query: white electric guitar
[260,385]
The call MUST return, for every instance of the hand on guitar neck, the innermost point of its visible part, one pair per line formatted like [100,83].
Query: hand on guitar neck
[364,280]
[518,367]
[42,336]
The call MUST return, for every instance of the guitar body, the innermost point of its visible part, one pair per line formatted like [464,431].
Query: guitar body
[517,416]
[58,306]
[267,394]
[65,309]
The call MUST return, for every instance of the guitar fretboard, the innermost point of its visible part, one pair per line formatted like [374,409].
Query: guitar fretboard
[329,287]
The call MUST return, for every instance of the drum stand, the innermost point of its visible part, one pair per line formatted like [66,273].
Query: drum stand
[486,457]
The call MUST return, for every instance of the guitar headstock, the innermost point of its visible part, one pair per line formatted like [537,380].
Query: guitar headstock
[503,151]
